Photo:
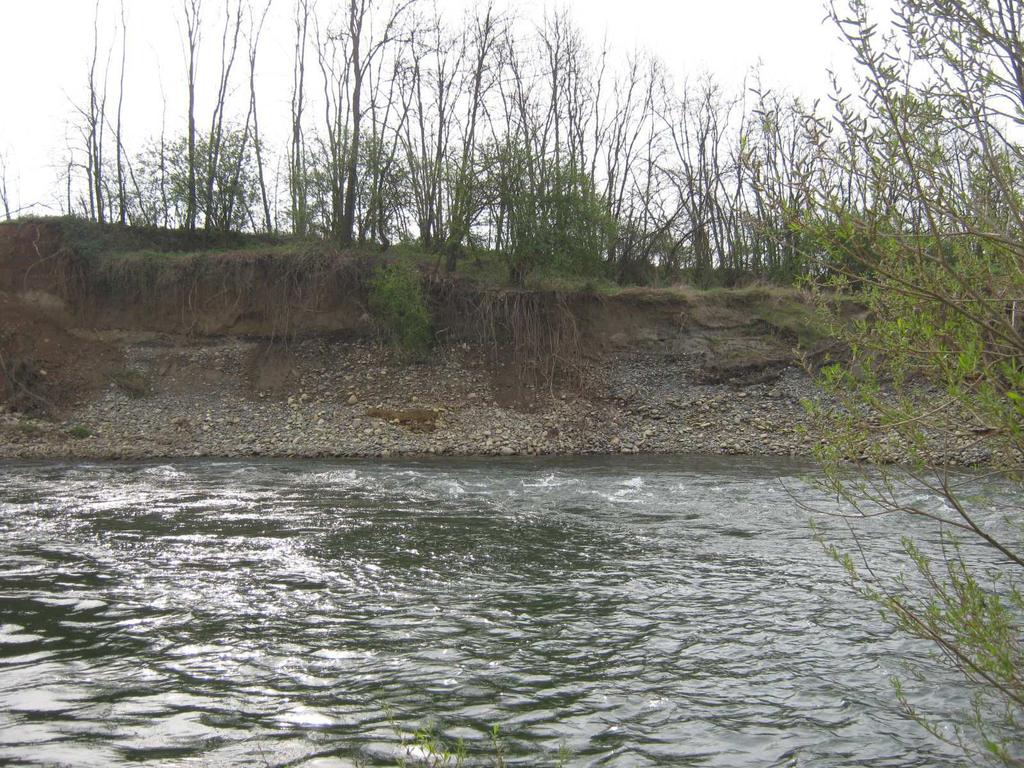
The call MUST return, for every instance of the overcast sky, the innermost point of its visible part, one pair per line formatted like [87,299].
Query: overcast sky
[45,46]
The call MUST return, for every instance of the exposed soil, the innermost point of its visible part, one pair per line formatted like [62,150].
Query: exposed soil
[46,365]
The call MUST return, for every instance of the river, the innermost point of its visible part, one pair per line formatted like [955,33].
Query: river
[624,612]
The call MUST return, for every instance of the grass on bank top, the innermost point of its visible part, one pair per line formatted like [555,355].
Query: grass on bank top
[90,239]
[791,311]
[489,269]
[152,246]
[786,309]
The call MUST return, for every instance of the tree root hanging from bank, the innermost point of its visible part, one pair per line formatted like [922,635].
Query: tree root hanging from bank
[534,333]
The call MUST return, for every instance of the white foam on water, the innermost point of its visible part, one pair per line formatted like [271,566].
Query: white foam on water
[336,478]
[552,481]
[164,471]
[12,634]
[343,655]
[88,605]
[194,650]
[303,715]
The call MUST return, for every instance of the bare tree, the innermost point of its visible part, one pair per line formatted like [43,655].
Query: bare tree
[388,115]
[462,206]
[254,41]
[121,186]
[162,159]
[631,115]
[365,45]
[333,58]
[430,79]
[93,127]
[215,140]
[4,198]
[297,156]
[193,16]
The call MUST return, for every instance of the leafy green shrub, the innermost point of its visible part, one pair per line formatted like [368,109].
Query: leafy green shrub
[80,432]
[396,299]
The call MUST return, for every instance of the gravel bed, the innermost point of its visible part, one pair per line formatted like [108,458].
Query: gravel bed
[324,398]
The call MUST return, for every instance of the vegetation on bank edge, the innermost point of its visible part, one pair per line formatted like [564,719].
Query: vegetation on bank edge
[140,261]
[99,242]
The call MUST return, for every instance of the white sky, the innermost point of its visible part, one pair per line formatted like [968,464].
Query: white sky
[45,46]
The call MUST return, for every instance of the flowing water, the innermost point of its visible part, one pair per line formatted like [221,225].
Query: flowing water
[628,613]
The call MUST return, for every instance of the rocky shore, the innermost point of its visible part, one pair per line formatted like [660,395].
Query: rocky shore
[232,397]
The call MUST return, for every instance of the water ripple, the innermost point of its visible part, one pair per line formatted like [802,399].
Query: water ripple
[642,613]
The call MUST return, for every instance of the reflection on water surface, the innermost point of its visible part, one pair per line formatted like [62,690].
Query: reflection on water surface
[650,612]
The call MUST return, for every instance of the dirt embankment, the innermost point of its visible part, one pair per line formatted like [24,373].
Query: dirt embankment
[112,350]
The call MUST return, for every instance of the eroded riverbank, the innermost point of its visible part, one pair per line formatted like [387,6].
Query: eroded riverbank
[262,352]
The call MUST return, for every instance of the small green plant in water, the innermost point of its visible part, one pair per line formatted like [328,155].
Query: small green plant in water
[498,746]
[396,299]
[426,748]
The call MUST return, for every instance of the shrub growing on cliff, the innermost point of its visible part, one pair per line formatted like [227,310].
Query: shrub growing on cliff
[396,299]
